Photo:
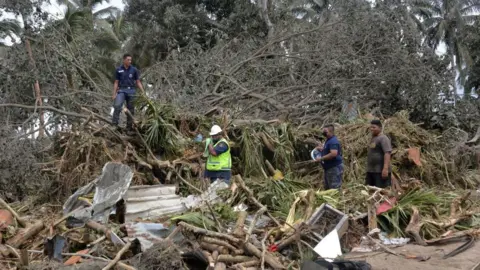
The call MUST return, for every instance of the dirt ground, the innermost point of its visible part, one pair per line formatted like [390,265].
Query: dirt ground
[467,260]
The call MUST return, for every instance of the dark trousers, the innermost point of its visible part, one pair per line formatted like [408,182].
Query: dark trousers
[128,96]
[376,180]
[333,177]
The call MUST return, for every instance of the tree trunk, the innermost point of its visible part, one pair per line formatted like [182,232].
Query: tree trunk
[263,5]
[454,68]
[36,87]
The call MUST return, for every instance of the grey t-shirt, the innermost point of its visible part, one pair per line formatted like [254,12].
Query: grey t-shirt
[377,148]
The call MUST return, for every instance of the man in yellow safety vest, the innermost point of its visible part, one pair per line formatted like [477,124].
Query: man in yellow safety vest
[219,160]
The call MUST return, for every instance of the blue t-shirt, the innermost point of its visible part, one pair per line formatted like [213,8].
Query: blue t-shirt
[221,148]
[126,77]
[332,144]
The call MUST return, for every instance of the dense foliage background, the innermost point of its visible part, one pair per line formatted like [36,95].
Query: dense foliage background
[297,60]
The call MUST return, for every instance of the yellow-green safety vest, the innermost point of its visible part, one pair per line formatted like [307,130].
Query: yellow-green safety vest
[222,162]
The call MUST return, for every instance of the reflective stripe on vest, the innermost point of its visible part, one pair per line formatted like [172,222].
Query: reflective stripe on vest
[222,162]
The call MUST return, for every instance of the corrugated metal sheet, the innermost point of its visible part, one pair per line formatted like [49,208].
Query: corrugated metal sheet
[152,202]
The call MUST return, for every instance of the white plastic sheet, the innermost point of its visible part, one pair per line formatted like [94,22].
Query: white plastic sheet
[329,248]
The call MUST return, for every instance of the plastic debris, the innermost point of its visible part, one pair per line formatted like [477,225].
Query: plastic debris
[109,188]
[329,247]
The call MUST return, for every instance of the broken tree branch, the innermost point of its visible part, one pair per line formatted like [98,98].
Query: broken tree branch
[414,227]
[26,234]
[252,198]
[117,258]
[48,108]
[206,232]
[271,260]
[5,205]
[239,232]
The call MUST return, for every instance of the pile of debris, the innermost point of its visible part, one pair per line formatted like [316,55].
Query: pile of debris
[260,149]
[150,201]
[111,223]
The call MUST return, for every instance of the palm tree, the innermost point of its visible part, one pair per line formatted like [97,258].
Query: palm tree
[80,15]
[81,18]
[443,21]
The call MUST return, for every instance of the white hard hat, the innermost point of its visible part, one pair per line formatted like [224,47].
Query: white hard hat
[215,130]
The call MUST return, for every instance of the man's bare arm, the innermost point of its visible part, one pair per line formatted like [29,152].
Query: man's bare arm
[140,86]
[386,160]
[333,154]
[115,89]
[211,149]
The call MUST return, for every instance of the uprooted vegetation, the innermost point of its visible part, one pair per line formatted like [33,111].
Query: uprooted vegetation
[279,184]
[78,155]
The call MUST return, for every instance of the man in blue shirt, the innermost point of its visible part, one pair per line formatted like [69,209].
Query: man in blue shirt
[331,159]
[127,78]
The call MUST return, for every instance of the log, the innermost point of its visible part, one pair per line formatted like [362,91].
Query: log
[414,227]
[117,258]
[299,228]
[218,242]
[212,248]
[234,259]
[251,263]
[100,228]
[159,163]
[266,142]
[220,266]
[26,234]
[239,231]
[215,255]
[211,261]
[270,167]
[198,230]
[24,261]
[5,205]
[269,259]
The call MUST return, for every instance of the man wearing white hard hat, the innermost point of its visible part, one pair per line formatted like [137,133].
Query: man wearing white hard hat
[219,160]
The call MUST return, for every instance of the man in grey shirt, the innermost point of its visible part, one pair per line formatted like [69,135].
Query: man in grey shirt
[379,169]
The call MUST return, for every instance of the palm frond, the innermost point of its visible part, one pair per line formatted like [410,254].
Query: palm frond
[77,20]
[470,9]
[470,19]
[418,23]
[110,11]
[105,38]
[439,33]
[432,22]
[10,26]
[399,216]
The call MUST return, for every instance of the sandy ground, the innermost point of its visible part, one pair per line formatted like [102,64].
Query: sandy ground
[468,260]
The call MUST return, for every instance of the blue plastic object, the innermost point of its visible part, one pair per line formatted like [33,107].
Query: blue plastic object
[199,138]
[315,154]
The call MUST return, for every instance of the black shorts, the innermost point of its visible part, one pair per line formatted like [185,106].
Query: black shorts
[376,180]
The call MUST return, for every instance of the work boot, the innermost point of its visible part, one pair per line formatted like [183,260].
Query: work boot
[130,131]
